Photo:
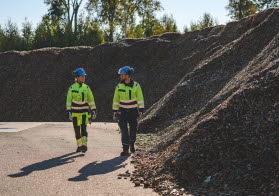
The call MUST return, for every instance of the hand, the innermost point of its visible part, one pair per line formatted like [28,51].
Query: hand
[70,116]
[140,114]
[115,116]
[93,114]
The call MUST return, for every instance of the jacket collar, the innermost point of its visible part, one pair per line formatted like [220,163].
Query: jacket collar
[79,84]
[131,84]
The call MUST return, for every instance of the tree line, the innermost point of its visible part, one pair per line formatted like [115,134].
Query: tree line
[91,22]
[239,9]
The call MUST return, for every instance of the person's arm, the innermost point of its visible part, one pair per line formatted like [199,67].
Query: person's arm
[92,105]
[69,103]
[69,100]
[140,99]
[90,99]
[116,100]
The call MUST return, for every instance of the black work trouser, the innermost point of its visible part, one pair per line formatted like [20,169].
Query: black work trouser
[80,131]
[128,135]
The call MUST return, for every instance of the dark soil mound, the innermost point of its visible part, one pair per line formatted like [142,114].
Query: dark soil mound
[221,122]
[35,82]
[210,75]
[212,95]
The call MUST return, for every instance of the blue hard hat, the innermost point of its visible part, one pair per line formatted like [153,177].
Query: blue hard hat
[79,72]
[126,70]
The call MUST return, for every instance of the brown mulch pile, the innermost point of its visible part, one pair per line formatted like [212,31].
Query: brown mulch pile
[222,138]
[34,83]
[212,97]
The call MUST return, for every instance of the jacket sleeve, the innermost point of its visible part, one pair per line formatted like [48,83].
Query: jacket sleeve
[116,100]
[140,99]
[90,99]
[69,100]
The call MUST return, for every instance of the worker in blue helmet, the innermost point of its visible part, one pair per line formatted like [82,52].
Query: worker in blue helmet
[81,108]
[79,72]
[126,71]
[128,106]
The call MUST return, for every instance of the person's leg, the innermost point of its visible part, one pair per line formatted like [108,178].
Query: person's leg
[124,132]
[77,133]
[133,125]
[84,133]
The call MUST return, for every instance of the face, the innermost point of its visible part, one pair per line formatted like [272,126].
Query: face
[80,79]
[124,77]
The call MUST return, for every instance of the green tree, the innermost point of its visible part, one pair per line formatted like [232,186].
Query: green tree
[107,20]
[27,35]
[158,28]
[186,29]
[147,10]
[43,34]
[66,10]
[119,16]
[108,13]
[265,4]
[89,33]
[164,25]
[12,39]
[128,10]
[239,9]
[2,38]
[58,35]
[206,21]
[137,32]
[169,24]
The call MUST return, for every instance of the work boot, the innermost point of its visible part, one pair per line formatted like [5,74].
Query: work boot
[124,153]
[78,149]
[132,147]
[84,149]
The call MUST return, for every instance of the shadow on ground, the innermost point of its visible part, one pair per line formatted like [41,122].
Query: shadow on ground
[47,164]
[96,168]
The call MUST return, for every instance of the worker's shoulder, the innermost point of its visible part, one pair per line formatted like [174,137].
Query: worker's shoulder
[86,86]
[120,85]
[136,83]
[72,86]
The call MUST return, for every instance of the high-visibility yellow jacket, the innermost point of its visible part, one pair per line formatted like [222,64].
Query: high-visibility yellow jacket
[128,96]
[80,99]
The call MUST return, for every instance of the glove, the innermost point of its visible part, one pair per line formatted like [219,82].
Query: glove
[141,112]
[115,116]
[93,114]
[70,116]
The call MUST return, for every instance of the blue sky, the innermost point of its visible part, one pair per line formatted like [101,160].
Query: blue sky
[184,11]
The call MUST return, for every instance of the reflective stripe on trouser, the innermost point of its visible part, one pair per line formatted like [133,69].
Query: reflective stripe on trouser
[80,123]
[84,140]
[128,136]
